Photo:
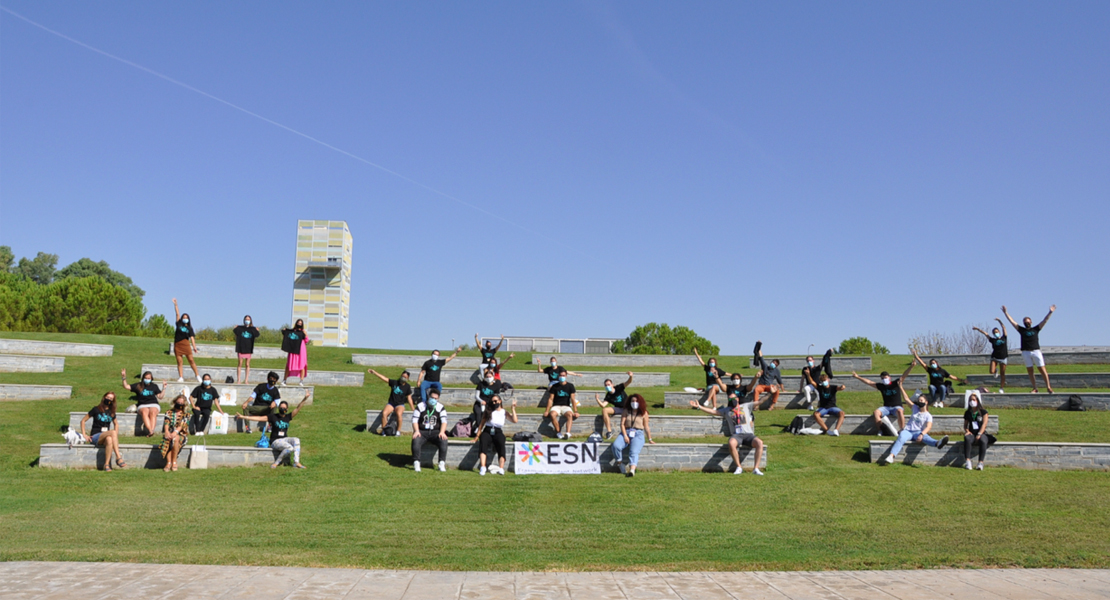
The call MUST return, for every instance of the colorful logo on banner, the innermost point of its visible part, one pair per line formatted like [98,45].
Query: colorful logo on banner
[531,453]
[566,458]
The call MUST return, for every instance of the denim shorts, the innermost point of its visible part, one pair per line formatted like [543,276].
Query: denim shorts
[829,411]
[886,411]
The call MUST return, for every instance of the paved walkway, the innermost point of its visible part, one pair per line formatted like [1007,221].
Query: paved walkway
[91,581]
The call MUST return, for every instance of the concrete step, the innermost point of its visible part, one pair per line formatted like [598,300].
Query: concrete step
[662,426]
[865,424]
[22,363]
[228,351]
[463,455]
[1019,379]
[522,379]
[229,392]
[628,361]
[322,378]
[1053,456]
[1049,401]
[1051,357]
[130,425]
[840,364]
[14,391]
[414,362]
[147,456]
[10,346]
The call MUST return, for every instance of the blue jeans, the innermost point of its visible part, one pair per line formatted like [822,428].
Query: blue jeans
[938,393]
[426,385]
[634,447]
[906,435]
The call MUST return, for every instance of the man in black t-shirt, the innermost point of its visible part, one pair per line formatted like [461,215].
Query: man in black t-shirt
[431,371]
[562,400]
[812,373]
[826,402]
[1031,346]
[204,396]
[1000,352]
[770,377]
[891,391]
[263,400]
[488,350]
[278,422]
[429,424]
[400,393]
[245,335]
[615,399]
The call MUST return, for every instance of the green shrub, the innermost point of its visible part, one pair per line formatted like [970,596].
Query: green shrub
[655,338]
[861,345]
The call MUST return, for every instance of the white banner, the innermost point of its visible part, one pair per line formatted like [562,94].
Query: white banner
[567,458]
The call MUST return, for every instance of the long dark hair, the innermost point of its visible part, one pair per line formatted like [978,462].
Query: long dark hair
[183,317]
[142,386]
[108,406]
[641,407]
[489,407]
[299,325]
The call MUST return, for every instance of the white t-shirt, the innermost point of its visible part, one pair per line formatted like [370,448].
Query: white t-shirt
[497,419]
[917,421]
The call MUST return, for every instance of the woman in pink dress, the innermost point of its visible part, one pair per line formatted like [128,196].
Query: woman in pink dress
[295,343]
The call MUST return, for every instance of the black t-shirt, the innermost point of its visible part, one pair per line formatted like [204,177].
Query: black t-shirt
[937,376]
[560,394]
[182,331]
[892,396]
[399,391]
[488,353]
[974,419]
[204,396]
[711,374]
[1030,338]
[279,425]
[1000,347]
[617,398]
[826,396]
[101,420]
[291,340]
[244,339]
[553,373]
[429,419]
[147,394]
[265,395]
[432,369]
[738,389]
[486,391]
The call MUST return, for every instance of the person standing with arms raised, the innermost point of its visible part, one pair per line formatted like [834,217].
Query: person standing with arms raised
[184,342]
[1000,352]
[1031,346]
[431,371]
[245,335]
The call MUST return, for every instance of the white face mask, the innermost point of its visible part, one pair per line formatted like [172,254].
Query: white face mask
[932,365]
[435,357]
[974,404]
[489,379]
[886,380]
[736,382]
[635,405]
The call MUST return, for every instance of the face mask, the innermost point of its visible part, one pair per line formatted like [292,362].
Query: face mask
[824,384]
[736,382]
[974,404]
[283,410]
[886,380]
[997,335]
[635,405]
[712,364]
[207,382]
[432,402]
[932,365]
[809,362]
[435,357]
[489,379]
[771,367]
[562,380]
[609,389]
[185,320]
[554,364]
[496,406]
[147,381]
[247,322]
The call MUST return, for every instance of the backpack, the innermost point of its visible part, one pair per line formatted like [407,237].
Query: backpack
[527,436]
[1075,403]
[263,442]
[462,428]
[389,431]
[796,425]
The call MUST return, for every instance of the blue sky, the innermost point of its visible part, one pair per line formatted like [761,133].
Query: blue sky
[792,172]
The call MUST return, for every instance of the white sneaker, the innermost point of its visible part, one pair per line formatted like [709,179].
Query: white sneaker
[1001,391]
[181,380]
[756,472]
[967,465]
[483,471]
[738,471]
[996,373]
[889,459]
[416,466]
[978,468]
[442,466]
[500,471]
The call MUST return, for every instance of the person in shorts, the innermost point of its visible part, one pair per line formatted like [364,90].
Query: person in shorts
[562,401]
[826,402]
[184,342]
[770,377]
[105,430]
[263,400]
[713,377]
[1031,346]
[892,400]
[400,394]
[740,427]
[245,336]
[1000,352]
[616,397]
[147,395]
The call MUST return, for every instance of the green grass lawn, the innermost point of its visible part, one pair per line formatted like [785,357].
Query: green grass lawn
[820,506]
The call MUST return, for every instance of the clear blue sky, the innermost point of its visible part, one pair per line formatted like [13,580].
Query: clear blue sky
[795,172]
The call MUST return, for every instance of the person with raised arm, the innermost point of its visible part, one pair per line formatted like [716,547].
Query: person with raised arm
[826,402]
[814,374]
[430,371]
[892,401]
[488,350]
[278,424]
[147,395]
[1031,346]
[614,403]
[294,342]
[770,379]
[400,393]
[184,342]
[262,401]
[917,426]
[562,400]
[245,336]
[202,399]
[740,427]
[496,367]
[1000,352]
[491,434]
[938,391]
[105,430]
[713,376]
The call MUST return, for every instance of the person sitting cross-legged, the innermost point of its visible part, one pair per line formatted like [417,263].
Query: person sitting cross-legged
[741,430]
[917,427]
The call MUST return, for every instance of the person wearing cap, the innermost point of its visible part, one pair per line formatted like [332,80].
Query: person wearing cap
[740,427]
[892,401]
[400,393]
[917,426]
[713,376]
[770,379]
[429,424]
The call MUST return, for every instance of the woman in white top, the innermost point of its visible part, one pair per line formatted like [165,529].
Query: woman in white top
[491,436]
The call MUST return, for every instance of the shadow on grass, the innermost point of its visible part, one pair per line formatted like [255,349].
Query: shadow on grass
[396,460]
[34,463]
[359,428]
[863,456]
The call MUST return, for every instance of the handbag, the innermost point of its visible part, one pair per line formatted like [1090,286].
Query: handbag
[219,423]
[198,457]
[263,442]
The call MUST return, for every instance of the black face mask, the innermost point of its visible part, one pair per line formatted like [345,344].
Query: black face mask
[283,410]
[733,403]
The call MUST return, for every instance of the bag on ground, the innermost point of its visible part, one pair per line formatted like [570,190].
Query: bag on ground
[198,457]
[263,442]
[527,436]
[462,428]
[796,425]
[219,423]
[389,431]
[1075,403]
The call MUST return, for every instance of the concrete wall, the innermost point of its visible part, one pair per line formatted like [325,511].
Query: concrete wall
[681,457]
[228,351]
[9,346]
[147,456]
[1016,377]
[662,426]
[414,362]
[1050,401]
[130,425]
[1021,455]
[865,424]
[791,400]
[618,360]
[1080,357]
[590,379]
[13,391]
[219,374]
[240,392]
[840,364]
[19,363]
